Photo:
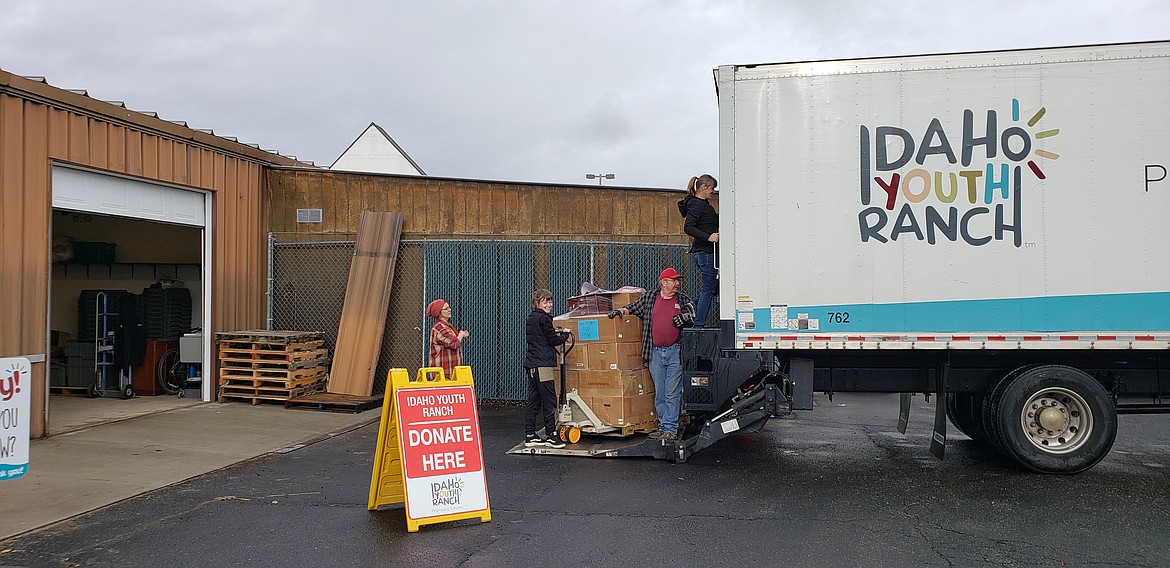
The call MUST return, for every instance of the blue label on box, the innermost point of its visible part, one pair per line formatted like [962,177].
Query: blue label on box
[587,330]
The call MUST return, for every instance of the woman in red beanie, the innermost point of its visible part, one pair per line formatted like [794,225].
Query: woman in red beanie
[445,340]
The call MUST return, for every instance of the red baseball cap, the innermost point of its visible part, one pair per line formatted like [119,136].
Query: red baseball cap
[669,273]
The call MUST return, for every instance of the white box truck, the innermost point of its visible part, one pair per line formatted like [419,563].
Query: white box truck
[990,227]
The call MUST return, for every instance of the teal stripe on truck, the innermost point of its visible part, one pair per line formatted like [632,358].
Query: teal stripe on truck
[1138,312]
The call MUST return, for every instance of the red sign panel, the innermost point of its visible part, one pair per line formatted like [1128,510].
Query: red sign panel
[439,431]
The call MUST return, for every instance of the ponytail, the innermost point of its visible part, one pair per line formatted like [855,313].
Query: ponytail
[703,179]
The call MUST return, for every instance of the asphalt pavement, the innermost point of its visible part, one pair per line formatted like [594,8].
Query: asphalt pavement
[837,486]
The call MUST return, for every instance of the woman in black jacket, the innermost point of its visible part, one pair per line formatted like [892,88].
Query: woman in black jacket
[701,222]
[539,366]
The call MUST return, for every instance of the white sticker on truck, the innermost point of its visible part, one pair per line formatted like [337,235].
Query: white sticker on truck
[779,316]
[745,318]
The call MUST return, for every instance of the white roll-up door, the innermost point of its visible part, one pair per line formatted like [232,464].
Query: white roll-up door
[91,192]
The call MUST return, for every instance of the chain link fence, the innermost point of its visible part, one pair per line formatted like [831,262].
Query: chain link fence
[488,283]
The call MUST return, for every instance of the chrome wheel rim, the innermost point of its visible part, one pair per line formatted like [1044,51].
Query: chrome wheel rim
[1056,420]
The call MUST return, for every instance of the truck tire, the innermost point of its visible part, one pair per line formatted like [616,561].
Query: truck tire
[965,411]
[1052,419]
[986,423]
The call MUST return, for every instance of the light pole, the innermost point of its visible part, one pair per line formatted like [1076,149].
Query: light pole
[599,177]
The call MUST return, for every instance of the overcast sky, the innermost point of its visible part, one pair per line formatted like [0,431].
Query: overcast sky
[521,90]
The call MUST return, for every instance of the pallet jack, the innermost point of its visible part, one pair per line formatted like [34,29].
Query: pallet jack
[574,418]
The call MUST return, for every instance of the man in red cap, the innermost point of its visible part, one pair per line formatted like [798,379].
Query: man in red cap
[664,312]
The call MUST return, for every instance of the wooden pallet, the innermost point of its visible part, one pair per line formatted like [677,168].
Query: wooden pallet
[272,364]
[269,356]
[631,429]
[267,336]
[266,393]
[333,402]
[271,382]
[269,347]
[235,373]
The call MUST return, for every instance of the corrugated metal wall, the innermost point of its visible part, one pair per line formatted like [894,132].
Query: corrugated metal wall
[40,124]
[474,209]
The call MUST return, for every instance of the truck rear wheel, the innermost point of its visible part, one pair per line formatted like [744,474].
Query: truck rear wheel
[1052,419]
[965,411]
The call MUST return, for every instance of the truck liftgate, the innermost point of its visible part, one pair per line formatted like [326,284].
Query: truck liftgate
[747,414]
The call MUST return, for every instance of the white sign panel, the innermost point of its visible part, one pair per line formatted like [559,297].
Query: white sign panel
[438,429]
[15,395]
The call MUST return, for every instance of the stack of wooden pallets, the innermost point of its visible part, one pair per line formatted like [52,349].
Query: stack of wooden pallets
[270,366]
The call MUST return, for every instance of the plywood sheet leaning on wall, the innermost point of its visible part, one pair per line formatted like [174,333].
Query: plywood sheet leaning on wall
[363,314]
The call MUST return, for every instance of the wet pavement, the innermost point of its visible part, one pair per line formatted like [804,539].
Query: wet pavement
[837,486]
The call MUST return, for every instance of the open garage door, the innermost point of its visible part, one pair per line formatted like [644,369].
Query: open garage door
[112,235]
[90,192]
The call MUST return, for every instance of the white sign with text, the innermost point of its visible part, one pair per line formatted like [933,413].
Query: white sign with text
[15,395]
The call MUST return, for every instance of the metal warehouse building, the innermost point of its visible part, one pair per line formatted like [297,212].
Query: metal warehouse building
[163,202]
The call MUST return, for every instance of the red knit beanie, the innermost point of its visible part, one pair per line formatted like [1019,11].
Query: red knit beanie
[435,307]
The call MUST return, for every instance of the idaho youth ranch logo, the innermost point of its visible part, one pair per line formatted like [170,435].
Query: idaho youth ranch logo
[974,197]
[446,492]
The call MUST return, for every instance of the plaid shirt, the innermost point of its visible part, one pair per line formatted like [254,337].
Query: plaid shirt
[642,308]
[444,351]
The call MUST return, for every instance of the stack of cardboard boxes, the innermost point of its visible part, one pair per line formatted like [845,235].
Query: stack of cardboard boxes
[605,365]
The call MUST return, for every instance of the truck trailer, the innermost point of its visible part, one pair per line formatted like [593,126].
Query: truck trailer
[988,228]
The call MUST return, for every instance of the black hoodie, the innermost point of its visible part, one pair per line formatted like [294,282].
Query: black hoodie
[700,220]
[542,340]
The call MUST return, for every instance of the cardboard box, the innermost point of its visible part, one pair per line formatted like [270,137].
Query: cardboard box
[624,410]
[604,356]
[623,299]
[601,329]
[578,358]
[571,381]
[597,356]
[611,383]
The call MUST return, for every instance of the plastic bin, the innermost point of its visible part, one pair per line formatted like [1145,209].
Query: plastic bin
[94,252]
[57,377]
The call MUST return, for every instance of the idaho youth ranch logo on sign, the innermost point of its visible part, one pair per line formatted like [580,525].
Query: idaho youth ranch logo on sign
[446,492]
[959,188]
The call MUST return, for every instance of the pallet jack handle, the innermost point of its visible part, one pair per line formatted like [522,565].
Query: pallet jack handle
[563,352]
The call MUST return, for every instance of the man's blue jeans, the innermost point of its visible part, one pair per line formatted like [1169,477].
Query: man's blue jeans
[705,262]
[666,370]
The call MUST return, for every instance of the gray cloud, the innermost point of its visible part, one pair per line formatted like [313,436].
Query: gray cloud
[527,90]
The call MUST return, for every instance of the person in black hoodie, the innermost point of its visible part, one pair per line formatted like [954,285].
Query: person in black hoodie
[539,367]
[701,222]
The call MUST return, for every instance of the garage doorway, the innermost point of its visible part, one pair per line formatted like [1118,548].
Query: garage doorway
[128,298]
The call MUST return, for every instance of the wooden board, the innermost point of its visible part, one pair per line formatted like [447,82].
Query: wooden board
[367,294]
[330,402]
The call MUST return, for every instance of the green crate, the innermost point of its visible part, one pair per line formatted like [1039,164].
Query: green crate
[94,252]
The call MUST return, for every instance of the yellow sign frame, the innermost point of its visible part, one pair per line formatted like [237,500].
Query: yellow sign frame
[388,484]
